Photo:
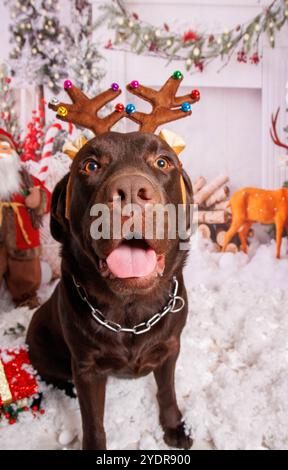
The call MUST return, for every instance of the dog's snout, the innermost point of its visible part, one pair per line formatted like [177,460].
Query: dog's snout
[133,189]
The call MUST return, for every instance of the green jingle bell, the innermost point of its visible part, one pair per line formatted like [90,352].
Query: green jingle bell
[177,75]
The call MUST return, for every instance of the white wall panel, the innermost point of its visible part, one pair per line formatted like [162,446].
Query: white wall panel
[229,129]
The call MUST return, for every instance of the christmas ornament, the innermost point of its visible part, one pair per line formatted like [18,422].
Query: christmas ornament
[130,108]
[190,36]
[186,107]
[115,86]
[54,101]
[120,108]
[68,84]
[33,140]
[62,111]
[177,75]
[134,84]
[195,95]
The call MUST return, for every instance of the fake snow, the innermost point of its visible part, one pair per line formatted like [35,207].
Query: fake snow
[232,372]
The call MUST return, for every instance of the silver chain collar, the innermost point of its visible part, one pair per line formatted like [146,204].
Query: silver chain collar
[141,327]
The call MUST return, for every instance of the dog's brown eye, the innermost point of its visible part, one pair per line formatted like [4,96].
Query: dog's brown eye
[91,166]
[162,163]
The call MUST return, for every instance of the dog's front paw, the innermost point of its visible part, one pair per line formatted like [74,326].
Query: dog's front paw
[176,437]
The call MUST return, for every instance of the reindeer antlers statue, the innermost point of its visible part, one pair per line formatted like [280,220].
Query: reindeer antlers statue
[166,107]
[274,133]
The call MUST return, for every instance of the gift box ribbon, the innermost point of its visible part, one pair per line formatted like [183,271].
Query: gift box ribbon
[17,377]
[5,392]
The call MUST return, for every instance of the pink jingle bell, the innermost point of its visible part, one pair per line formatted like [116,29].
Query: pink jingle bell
[134,84]
[115,86]
[68,84]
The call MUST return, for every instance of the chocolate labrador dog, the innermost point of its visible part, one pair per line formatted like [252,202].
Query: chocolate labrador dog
[121,304]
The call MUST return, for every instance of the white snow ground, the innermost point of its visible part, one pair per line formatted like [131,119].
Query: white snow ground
[232,373]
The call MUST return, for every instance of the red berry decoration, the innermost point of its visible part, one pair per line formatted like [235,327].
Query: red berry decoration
[119,108]
[7,415]
[35,408]
[42,411]
[12,421]
[195,95]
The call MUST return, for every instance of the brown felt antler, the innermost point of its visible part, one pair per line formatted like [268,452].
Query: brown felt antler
[83,110]
[274,133]
[163,102]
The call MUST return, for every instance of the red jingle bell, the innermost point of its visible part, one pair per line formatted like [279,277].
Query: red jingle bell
[195,95]
[119,108]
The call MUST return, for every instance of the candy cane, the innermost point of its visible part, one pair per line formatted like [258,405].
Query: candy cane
[47,151]
[49,139]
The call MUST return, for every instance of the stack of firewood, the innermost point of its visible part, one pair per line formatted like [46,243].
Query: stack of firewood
[214,213]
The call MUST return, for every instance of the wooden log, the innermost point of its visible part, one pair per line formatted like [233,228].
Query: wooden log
[204,231]
[222,206]
[220,235]
[212,217]
[232,248]
[198,184]
[209,189]
[220,195]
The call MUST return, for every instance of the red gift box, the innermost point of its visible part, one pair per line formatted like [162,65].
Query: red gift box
[17,376]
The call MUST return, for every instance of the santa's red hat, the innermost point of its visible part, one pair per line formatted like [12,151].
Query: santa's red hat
[8,138]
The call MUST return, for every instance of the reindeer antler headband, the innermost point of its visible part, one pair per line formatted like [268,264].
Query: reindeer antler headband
[166,107]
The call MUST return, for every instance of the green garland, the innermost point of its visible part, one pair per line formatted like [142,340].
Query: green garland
[194,48]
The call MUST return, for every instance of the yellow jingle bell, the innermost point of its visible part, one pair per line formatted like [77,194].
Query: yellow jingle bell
[62,111]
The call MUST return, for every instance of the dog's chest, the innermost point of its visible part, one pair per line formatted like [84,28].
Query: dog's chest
[136,359]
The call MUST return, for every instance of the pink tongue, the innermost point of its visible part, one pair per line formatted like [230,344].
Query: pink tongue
[130,261]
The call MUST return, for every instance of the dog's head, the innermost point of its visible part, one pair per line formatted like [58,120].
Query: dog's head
[121,187]
[103,212]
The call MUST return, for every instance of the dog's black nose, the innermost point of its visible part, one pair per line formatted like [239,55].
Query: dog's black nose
[133,189]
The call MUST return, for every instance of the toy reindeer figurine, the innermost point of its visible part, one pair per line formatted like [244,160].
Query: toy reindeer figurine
[259,205]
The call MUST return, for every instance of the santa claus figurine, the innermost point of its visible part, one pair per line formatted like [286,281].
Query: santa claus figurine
[23,200]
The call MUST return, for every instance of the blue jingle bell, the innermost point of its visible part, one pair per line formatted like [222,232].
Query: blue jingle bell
[186,107]
[130,108]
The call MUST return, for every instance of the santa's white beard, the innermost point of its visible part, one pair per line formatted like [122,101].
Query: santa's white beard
[10,178]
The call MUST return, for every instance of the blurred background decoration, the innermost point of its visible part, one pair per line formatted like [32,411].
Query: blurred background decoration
[235,53]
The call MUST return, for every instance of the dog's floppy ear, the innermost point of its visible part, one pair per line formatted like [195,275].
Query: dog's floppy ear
[188,187]
[59,225]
